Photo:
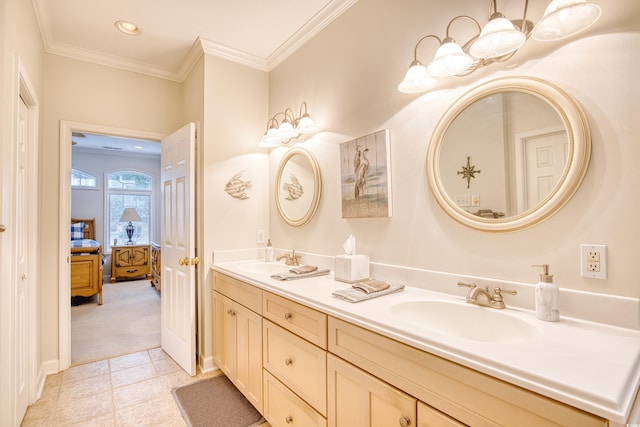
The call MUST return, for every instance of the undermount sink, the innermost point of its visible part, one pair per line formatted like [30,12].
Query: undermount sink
[466,321]
[263,267]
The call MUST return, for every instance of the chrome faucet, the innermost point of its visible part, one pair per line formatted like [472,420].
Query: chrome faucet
[483,297]
[290,259]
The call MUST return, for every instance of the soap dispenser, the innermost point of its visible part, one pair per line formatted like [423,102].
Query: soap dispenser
[547,296]
[268,252]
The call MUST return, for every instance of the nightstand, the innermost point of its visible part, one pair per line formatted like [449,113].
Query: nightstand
[130,261]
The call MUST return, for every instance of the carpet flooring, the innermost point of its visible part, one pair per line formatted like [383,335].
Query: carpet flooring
[128,321]
[215,402]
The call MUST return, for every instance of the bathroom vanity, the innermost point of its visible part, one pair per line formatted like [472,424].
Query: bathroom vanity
[304,358]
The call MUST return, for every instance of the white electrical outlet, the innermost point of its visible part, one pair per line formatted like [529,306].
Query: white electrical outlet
[593,261]
[260,237]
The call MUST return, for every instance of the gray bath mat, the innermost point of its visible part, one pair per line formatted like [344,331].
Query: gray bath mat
[215,402]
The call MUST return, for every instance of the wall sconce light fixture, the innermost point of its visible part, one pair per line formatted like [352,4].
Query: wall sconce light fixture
[498,41]
[289,128]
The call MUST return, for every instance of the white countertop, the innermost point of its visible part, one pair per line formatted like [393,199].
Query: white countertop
[588,365]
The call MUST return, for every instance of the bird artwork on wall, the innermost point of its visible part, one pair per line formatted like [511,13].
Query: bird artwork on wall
[469,171]
[236,187]
[365,176]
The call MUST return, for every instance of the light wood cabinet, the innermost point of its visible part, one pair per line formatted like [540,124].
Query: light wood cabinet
[156,265]
[365,379]
[283,408]
[237,346]
[298,364]
[464,394]
[431,417]
[129,262]
[357,398]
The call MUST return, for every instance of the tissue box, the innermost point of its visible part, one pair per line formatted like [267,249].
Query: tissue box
[351,268]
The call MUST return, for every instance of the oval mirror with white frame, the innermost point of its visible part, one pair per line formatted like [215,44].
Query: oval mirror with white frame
[298,187]
[508,154]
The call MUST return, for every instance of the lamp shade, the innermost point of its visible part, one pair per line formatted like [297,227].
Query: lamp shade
[270,139]
[130,214]
[286,131]
[417,79]
[498,38]
[449,60]
[564,18]
[306,126]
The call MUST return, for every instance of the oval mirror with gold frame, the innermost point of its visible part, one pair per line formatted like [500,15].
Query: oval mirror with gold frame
[508,154]
[298,187]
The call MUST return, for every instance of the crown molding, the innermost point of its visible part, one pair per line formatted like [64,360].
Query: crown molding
[312,27]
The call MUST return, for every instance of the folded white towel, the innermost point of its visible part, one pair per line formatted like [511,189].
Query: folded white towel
[294,276]
[356,295]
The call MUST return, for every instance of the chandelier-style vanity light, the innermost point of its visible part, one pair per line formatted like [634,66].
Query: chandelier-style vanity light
[498,41]
[289,129]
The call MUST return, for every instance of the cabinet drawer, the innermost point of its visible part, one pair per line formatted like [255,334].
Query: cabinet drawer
[357,398]
[243,293]
[303,321]
[282,408]
[297,363]
[431,417]
[465,394]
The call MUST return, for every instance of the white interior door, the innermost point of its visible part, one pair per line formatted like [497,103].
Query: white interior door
[178,308]
[22,279]
[543,156]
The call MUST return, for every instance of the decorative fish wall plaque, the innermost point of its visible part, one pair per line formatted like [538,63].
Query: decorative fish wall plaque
[236,187]
[294,188]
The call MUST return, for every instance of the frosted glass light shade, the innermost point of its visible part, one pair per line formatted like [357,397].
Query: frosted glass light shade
[306,125]
[564,18]
[286,131]
[449,60]
[417,79]
[498,38]
[270,139]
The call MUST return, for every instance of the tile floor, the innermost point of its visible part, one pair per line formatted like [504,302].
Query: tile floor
[130,390]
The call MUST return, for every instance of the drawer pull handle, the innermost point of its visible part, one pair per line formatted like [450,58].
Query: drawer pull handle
[288,316]
[405,421]
[288,361]
[289,419]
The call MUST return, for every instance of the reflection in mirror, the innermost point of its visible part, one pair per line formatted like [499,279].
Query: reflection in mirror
[529,140]
[298,187]
[519,143]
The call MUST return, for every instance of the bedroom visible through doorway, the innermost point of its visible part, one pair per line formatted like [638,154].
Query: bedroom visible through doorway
[110,173]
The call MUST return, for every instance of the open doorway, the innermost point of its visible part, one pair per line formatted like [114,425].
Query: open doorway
[86,163]
[115,191]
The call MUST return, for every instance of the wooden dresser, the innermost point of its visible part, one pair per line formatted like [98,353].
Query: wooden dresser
[155,265]
[129,262]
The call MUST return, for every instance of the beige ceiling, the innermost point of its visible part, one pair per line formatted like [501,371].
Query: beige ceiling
[257,33]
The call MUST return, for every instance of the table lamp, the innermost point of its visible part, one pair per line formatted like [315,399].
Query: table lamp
[128,215]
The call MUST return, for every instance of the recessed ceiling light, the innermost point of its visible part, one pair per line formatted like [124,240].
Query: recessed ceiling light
[138,147]
[127,27]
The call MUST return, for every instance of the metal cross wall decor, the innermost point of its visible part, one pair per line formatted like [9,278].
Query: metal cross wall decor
[468,171]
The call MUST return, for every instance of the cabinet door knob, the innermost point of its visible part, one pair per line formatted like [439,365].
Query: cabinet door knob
[289,419]
[288,316]
[2,228]
[288,361]
[405,421]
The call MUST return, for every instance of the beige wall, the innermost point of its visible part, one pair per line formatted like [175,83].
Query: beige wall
[235,106]
[349,73]
[83,92]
